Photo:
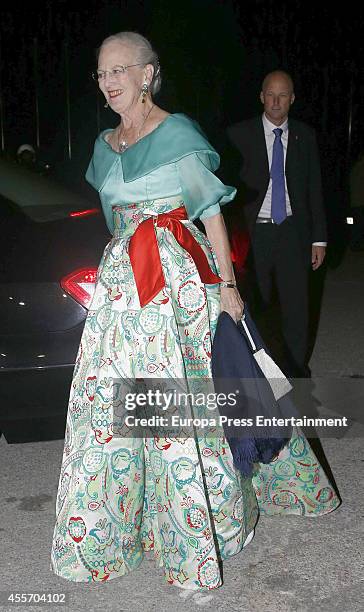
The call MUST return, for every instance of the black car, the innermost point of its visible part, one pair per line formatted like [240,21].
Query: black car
[51,243]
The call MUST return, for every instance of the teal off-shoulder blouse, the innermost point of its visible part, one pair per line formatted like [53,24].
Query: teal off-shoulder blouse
[175,159]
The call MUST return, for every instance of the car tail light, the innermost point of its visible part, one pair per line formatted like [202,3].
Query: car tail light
[84,213]
[240,244]
[80,285]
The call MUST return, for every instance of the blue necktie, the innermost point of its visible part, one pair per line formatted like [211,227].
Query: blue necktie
[279,212]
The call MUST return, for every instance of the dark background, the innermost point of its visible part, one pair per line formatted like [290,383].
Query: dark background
[214,55]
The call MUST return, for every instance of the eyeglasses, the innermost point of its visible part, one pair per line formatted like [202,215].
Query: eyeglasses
[99,75]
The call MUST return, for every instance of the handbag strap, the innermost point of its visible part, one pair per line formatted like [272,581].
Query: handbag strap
[248,333]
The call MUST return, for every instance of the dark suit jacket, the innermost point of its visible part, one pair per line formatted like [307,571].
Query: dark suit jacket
[303,175]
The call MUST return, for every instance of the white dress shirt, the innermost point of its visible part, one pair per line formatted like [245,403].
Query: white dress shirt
[266,209]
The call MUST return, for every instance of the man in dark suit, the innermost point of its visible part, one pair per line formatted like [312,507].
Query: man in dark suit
[283,209]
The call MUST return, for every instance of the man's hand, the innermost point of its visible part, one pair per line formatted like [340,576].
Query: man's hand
[318,255]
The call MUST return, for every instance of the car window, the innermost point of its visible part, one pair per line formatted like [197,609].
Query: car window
[40,198]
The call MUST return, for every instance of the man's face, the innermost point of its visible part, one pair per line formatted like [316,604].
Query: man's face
[277,97]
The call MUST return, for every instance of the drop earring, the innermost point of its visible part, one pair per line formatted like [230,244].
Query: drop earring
[106,105]
[145,90]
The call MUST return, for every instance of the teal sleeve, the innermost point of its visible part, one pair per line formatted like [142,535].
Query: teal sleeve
[107,210]
[92,177]
[212,210]
[203,193]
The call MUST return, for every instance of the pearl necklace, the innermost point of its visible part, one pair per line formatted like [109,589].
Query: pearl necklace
[123,144]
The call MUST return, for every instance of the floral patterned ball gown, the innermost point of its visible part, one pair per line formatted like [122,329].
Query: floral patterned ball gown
[180,498]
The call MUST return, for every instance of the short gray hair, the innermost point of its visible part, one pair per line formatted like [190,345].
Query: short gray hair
[145,54]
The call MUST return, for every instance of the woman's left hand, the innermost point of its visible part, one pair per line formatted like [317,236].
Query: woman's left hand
[232,303]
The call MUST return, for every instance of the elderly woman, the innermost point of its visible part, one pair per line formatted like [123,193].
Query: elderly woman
[161,285]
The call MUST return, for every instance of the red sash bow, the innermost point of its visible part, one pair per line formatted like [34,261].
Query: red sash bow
[145,259]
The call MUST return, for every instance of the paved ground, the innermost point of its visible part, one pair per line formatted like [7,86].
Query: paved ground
[292,565]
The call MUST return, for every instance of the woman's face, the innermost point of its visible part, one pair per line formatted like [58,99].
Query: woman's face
[121,90]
